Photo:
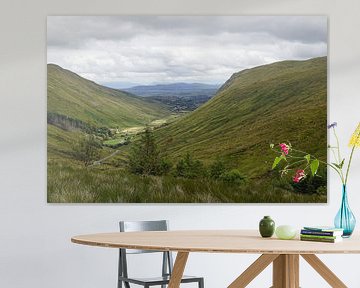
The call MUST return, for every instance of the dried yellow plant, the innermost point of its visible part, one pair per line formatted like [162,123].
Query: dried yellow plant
[355,138]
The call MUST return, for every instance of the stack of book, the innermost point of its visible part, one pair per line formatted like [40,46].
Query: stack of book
[321,234]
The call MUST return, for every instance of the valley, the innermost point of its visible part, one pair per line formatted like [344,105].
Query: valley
[209,143]
[179,97]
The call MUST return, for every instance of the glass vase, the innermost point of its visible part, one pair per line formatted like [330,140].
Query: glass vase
[345,219]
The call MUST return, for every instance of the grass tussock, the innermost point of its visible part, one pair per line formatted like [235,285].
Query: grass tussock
[68,184]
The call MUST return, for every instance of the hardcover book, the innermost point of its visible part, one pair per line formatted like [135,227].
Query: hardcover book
[323,228]
[321,233]
[326,240]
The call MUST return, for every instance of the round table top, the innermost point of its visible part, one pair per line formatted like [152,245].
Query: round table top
[219,241]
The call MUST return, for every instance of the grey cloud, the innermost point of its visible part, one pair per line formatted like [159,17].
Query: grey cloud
[73,31]
[150,49]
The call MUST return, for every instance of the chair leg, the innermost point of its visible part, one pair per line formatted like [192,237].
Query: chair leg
[201,283]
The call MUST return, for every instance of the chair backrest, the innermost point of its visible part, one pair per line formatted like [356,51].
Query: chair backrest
[133,226]
[137,226]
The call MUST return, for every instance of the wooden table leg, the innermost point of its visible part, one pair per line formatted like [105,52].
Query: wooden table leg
[253,270]
[293,261]
[178,269]
[286,271]
[324,271]
[279,271]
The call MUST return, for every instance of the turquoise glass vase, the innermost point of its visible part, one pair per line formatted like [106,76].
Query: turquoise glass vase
[345,219]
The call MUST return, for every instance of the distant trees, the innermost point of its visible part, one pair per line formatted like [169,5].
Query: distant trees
[87,149]
[188,167]
[65,122]
[145,159]
[69,124]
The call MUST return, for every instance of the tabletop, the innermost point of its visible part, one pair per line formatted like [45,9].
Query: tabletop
[217,241]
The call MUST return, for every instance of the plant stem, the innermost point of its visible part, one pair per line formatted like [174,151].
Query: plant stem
[339,171]
[296,162]
[338,145]
[348,167]
[338,149]
[333,152]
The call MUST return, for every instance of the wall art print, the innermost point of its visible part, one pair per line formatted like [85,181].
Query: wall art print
[182,109]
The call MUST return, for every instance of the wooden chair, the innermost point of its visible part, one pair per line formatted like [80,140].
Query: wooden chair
[167,262]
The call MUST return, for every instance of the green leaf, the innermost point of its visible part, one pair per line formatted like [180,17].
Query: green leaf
[307,157]
[339,166]
[272,145]
[314,166]
[336,165]
[276,162]
[342,163]
[283,157]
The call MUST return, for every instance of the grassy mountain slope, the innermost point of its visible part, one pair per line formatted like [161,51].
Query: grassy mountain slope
[283,101]
[76,97]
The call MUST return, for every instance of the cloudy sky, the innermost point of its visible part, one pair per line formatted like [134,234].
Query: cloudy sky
[123,51]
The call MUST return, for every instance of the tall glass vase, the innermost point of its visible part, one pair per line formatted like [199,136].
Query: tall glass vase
[345,219]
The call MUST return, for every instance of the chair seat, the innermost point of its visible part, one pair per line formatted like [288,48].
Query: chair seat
[158,280]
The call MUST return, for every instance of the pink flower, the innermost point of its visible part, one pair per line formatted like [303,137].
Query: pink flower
[299,175]
[284,148]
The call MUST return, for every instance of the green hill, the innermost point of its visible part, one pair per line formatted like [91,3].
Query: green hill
[77,105]
[283,101]
[279,102]
[84,100]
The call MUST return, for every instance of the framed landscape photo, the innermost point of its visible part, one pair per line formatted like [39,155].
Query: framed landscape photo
[184,109]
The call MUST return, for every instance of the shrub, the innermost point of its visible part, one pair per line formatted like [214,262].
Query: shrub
[165,166]
[233,176]
[188,167]
[216,169]
[311,184]
[87,149]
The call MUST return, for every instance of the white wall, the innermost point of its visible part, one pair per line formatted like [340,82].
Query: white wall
[35,248]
